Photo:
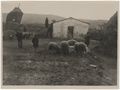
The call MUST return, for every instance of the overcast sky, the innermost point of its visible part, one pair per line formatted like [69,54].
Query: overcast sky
[79,9]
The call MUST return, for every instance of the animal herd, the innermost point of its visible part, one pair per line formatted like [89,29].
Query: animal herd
[68,47]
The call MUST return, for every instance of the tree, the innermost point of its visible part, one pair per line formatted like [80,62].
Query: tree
[109,37]
[50,30]
[46,22]
[110,33]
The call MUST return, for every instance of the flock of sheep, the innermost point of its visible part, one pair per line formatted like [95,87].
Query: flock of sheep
[68,47]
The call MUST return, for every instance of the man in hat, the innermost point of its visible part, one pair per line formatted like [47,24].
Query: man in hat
[35,42]
[19,36]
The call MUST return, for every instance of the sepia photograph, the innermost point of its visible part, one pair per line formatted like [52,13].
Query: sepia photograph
[59,43]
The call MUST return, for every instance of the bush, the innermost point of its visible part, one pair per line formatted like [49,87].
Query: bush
[9,34]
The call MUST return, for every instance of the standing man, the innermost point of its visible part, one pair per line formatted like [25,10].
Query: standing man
[35,42]
[19,36]
[87,40]
[50,30]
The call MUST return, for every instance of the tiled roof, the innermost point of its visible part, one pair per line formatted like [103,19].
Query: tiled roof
[72,18]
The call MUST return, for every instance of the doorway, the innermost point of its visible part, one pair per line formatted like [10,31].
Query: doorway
[70,31]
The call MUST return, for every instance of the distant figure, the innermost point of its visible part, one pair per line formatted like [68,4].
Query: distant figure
[87,40]
[35,41]
[50,31]
[19,36]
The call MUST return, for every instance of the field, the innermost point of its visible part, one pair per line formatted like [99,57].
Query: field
[27,67]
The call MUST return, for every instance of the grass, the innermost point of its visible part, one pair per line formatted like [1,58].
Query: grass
[26,67]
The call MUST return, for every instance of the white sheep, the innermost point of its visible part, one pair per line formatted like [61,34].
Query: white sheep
[71,49]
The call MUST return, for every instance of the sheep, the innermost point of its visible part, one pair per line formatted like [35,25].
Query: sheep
[71,42]
[64,47]
[71,49]
[87,50]
[53,48]
[86,47]
[81,48]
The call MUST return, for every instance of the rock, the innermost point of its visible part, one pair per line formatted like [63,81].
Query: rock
[93,65]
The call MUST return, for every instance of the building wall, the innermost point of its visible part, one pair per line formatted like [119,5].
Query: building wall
[60,29]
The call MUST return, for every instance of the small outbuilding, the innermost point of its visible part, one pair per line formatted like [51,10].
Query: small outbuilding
[69,28]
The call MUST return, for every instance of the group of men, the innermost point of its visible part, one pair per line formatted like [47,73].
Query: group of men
[19,36]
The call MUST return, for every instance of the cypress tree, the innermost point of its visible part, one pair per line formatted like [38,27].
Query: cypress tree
[46,22]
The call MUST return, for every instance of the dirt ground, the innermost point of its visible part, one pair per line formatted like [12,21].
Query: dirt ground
[27,67]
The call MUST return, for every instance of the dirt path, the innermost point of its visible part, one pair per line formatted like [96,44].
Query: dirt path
[110,65]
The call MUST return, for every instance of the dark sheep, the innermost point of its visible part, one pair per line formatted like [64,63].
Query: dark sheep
[64,47]
[81,48]
[71,42]
[53,48]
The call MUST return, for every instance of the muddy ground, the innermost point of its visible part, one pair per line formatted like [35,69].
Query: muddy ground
[27,67]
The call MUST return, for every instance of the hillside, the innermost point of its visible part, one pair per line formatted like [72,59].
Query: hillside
[40,19]
[108,37]
[35,18]
[112,23]
[95,24]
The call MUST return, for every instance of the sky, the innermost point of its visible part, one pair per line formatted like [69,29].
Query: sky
[93,10]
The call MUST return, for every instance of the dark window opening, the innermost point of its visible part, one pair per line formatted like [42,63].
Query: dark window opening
[70,31]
